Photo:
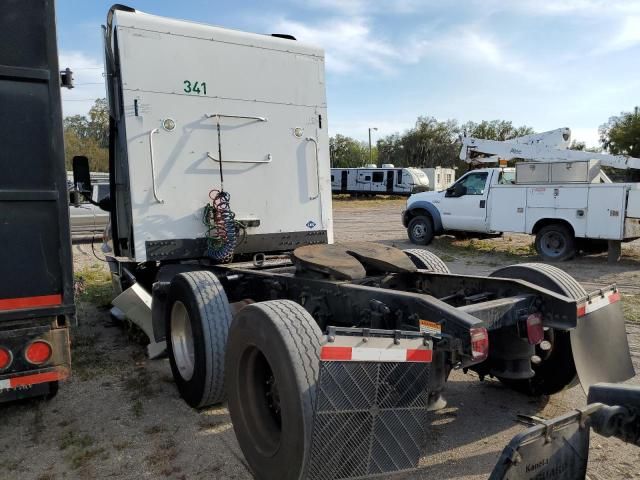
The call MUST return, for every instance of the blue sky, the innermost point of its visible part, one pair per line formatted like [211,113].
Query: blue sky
[546,64]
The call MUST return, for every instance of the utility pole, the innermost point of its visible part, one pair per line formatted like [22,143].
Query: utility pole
[370,151]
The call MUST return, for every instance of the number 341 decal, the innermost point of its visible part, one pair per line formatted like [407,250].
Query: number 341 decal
[199,88]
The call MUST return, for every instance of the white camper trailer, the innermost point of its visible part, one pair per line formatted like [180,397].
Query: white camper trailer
[440,178]
[378,181]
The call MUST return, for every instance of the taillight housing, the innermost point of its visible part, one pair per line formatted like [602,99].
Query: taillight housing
[38,352]
[535,330]
[6,358]
[479,344]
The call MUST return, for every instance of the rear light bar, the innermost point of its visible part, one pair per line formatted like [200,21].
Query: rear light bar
[6,358]
[535,330]
[479,343]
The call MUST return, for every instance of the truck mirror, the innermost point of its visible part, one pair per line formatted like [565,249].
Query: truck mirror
[456,190]
[81,176]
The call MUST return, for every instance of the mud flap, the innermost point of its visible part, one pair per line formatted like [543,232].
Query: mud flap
[370,416]
[555,449]
[599,342]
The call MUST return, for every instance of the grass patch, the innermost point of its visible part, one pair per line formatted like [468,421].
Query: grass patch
[79,458]
[137,409]
[69,440]
[631,308]
[367,202]
[474,246]
[93,285]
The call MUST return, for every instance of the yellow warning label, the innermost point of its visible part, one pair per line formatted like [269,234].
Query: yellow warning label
[430,327]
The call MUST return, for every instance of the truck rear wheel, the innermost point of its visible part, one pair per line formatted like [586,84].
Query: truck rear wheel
[555,243]
[426,260]
[420,230]
[557,370]
[273,357]
[198,319]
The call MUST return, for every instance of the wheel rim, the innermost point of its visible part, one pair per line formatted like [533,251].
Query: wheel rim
[182,340]
[553,244]
[262,409]
[419,231]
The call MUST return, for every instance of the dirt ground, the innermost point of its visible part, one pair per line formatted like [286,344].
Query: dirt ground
[120,415]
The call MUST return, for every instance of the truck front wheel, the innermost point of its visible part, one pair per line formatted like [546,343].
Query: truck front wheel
[273,357]
[197,325]
[555,243]
[420,230]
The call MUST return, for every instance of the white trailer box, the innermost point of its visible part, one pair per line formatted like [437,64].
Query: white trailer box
[178,81]
[440,178]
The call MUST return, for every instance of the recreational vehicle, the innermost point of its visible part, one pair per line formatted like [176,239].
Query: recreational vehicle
[378,181]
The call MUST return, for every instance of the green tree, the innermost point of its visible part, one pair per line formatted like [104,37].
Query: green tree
[500,130]
[348,152]
[89,137]
[621,134]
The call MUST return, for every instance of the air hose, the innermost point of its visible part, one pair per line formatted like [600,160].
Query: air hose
[221,234]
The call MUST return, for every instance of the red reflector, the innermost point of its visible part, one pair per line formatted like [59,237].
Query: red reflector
[335,353]
[5,358]
[30,302]
[614,297]
[38,352]
[479,343]
[535,331]
[419,355]
[582,310]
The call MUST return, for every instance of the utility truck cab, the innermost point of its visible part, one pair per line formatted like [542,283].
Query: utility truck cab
[461,207]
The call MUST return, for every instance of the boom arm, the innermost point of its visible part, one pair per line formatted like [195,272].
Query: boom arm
[544,147]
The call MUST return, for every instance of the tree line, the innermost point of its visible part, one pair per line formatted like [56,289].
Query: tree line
[429,143]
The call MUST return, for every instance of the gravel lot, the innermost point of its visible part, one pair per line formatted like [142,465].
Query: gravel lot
[120,415]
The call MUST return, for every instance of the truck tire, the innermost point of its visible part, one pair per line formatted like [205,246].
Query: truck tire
[555,243]
[420,230]
[197,326]
[273,358]
[426,260]
[557,369]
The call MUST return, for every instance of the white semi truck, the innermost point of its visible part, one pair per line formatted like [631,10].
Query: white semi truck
[329,355]
[559,195]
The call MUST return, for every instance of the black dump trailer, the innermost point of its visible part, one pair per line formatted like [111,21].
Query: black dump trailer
[36,277]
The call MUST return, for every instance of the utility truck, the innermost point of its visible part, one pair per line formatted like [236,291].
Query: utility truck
[36,277]
[561,196]
[329,355]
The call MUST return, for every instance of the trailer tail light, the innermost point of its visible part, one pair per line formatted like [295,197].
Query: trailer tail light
[535,331]
[6,358]
[38,352]
[479,344]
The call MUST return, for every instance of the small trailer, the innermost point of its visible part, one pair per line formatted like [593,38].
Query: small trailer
[440,178]
[330,356]
[562,196]
[378,181]
[36,276]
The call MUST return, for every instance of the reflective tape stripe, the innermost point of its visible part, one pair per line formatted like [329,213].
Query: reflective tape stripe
[33,379]
[598,303]
[364,354]
[30,302]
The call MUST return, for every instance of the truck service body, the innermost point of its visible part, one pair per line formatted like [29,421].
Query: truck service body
[36,286]
[212,128]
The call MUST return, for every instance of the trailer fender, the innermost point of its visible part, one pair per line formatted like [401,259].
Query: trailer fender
[431,210]
[599,342]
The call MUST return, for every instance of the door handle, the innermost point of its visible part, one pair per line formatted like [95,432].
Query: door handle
[153,173]
[315,145]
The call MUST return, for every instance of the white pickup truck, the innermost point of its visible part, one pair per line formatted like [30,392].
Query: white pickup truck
[568,212]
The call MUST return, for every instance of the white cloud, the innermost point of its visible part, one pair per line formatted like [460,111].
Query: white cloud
[627,35]
[349,43]
[89,81]
[589,136]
